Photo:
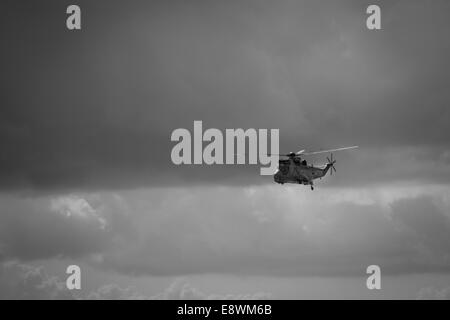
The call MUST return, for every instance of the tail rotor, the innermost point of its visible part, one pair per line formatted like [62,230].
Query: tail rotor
[331,163]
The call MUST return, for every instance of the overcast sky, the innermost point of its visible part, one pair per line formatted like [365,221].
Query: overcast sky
[85,124]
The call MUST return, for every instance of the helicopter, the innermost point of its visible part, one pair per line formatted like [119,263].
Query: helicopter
[296,170]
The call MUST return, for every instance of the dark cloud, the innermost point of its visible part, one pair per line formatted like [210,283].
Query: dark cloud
[95,108]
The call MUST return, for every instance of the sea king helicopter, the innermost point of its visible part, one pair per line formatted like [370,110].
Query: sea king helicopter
[296,170]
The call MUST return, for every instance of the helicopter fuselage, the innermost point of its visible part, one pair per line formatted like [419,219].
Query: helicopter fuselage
[294,170]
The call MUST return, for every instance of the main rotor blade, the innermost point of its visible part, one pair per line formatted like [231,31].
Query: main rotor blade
[330,150]
[278,154]
[267,154]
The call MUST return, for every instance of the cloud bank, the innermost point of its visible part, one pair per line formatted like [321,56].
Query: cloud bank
[263,231]
[22,281]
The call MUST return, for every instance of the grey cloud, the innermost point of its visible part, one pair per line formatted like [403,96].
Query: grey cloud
[431,293]
[115,292]
[268,233]
[426,220]
[181,289]
[22,281]
[60,226]
[263,231]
